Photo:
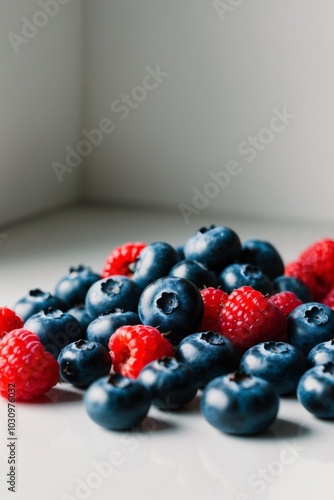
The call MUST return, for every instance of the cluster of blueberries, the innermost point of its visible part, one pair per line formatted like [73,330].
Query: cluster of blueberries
[240,393]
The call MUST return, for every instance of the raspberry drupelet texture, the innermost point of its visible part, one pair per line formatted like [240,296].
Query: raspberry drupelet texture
[25,363]
[121,259]
[8,321]
[285,301]
[134,346]
[248,318]
[214,300]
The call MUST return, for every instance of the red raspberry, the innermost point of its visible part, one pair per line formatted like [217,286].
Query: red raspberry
[214,300]
[121,259]
[285,301]
[8,321]
[319,257]
[328,300]
[248,318]
[302,271]
[133,346]
[25,363]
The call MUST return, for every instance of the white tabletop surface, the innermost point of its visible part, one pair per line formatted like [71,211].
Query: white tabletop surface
[63,455]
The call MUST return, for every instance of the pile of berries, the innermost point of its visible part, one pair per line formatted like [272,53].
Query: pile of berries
[214,318]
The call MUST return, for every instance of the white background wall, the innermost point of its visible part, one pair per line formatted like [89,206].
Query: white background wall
[227,72]
[40,107]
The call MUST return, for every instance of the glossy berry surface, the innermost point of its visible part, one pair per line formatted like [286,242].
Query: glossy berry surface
[279,363]
[285,301]
[134,346]
[8,321]
[35,301]
[240,404]
[195,272]
[316,390]
[73,287]
[117,402]
[154,262]
[110,294]
[263,255]
[238,275]
[172,305]
[214,300]
[208,354]
[215,246]
[55,329]
[101,328]
[248,318]
[122,258]
[321,353]
[25,364]
[172,384]
[80,313]
[294,285]
[82,362]
[309,324]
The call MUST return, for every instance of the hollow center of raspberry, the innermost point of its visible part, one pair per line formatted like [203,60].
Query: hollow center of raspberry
[329,368]
[168,302]
[111,287]
[276,347]
[212,338]
[316,315]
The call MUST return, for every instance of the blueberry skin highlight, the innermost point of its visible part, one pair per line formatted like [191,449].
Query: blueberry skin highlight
[264,255]
[309,324]
[172,384]
[173,305]
[209,355]
[239,404]
[321,354]
[316,390]
[102,327]
[82,362]
[73,287]
[112,293]
[117,402]
[215,246]
[195,272]
[238,275]
[279,363]
[35,301]
[154,262]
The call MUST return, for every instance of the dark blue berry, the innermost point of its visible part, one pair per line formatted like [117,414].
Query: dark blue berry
[117,402]
[291,284]
[80,313]
[172,384]
[316,390]
[82,362]
[172,305]
[240,404]
[216,247]
[309,324]
[208,354]
[37,300]
[154,262]
[102,327]
[73,287]
[279,363]
[195,272]
[321,354]
[264,255]
[238,275]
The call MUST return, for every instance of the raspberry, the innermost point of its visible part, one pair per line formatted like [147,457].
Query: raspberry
[248,318]
[214,300]
[25,363]
[8,321]
[304,273]
[134,346]
[121,259]
[328,300]
[285,301]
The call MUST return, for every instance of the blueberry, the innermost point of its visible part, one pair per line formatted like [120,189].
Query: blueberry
[80,313]
[321,354]
[112,293]
[238,275]
[291,284]
[309,324]
[264,255]
[154,262]
[73,287]
[55,329]
[239,404]
[277,362]
[171,305]
[216,247]
[195,272]
[82,362]
[208,354]
[37,300]
[172,384]
[316,390]
[117,402]
[102,327]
